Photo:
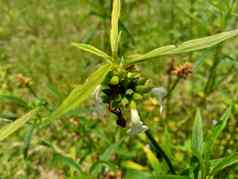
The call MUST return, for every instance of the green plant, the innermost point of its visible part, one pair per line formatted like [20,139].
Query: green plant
[202,164]
[115,70]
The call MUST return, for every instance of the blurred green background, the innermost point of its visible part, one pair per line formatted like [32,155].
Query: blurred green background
[35,41]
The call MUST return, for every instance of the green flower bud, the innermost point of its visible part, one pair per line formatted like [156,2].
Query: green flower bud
[137,96]
[148,83]
[142,89]
[114,80]
[133,75]
[124,101]
[141,81]
[130,75]
[133,105]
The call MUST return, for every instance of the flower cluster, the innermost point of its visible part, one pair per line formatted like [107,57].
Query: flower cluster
[124,88]
[182,71]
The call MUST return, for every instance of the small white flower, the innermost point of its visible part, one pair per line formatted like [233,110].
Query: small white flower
[98,99]
[160,93]
[97,94]
[136,124]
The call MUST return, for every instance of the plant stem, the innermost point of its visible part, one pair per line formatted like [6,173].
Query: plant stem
[170,90]
[32,91]
[160,152]
[212,75]
[173,87]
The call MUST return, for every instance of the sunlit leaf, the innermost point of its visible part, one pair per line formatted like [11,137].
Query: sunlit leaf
[133,165]
[189,46]
[80,93]
[197,136]
[221,164]
[93,50]
[14,126]
[153,161]
[114,36]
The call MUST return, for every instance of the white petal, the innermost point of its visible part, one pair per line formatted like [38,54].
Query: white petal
[97,93]
[159,93]
[135,118]
[136,124]
[136,129]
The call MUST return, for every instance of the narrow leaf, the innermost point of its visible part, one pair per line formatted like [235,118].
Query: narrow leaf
[114,36]
[14,126]
[129,164]
[14,99]
[27,141]
[217,130]
[67,161]
[93,50]
[189,46]
[170,177]
[197,136]
[98,164]
[80,93]
[153,161]
[221,164]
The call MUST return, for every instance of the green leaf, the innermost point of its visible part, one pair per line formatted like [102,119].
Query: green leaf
[169,177]
[8,116]
[80,176]
[27,141]
[93,50]
[189,46]
[131,174]
[106,155]
[12,98]
[167,142]
[197,136]
[221,164]
[14,126]
[54,91]
[67,161]
[80,93]
[131,165]
[153,161]
[114,36]
[217,130]
[96,166]
[135,174]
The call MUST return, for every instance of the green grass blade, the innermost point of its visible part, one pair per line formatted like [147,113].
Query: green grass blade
[189,46]
[14,99]
[14,126]
[27,141]
[114,36]
[80,93]
[66,161]
[197,136]
[93,50]
[152,160]
[217,130]
[223,163]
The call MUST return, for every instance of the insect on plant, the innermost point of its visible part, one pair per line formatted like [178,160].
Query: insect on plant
[119,83]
